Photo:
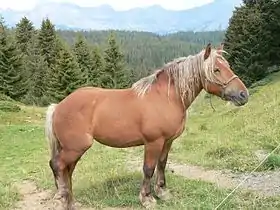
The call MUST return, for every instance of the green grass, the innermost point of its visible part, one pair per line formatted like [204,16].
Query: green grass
[226,138]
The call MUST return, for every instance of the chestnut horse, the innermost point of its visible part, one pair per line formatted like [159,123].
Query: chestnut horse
[151,113]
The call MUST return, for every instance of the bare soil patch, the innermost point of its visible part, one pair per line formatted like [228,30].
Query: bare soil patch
[33,198]
[36,199]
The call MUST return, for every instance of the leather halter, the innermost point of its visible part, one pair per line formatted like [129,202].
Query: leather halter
[225,84]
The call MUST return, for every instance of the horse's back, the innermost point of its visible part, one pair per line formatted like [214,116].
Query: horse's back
[85,100]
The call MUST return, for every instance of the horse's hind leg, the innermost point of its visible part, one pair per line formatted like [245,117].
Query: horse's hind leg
[54,167]
[66,161]
[152,153]
[160,186]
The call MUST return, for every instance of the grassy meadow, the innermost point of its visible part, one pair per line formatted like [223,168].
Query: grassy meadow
[225,139]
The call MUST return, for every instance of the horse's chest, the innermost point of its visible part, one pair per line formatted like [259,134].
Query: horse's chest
[166,126]
[174,130]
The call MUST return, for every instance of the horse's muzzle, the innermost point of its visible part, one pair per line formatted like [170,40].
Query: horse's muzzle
[239,98]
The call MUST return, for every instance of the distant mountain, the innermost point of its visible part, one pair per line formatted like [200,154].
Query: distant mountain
[211,16]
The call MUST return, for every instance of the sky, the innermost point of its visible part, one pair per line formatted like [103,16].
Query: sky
[116,4]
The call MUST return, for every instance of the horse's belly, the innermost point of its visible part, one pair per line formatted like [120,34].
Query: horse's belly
[119,143]
[117,138]
[117,132]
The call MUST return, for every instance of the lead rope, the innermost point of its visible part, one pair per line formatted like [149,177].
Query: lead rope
[222,202]
[210,101]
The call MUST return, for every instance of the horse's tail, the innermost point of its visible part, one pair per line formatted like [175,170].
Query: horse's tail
[54,145]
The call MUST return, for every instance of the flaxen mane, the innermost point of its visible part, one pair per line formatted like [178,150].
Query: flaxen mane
[186,72]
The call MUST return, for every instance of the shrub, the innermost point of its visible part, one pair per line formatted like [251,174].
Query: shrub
[6,106]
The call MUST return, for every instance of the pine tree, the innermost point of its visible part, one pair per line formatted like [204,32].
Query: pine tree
[252,39]
[96,71]
[47,42]
[24,33]
[12,83]
[86,62]
[49,46]
[115,75]
[38,69]
[243,40]
[270,15]
[66,76]
[250,2]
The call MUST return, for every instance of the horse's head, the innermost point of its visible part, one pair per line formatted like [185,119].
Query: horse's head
[220,80]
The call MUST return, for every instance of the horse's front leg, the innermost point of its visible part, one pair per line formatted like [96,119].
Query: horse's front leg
[160,186]
[151,156]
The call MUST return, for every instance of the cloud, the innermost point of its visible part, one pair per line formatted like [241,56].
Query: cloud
[18,4]
[116,4]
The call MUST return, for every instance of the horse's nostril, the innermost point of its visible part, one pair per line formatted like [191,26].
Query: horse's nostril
[243,94]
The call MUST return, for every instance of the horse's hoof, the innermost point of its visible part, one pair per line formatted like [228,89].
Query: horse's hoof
[163,194]
[61,203]
[58,196]
[149,202]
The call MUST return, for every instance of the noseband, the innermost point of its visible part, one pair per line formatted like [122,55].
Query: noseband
[225,84]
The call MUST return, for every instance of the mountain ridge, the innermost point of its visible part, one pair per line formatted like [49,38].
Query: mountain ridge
[208,17]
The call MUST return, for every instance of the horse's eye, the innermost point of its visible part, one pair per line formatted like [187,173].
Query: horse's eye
[216,70]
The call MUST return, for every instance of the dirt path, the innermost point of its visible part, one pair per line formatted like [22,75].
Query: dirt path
[35,199]
[266,183]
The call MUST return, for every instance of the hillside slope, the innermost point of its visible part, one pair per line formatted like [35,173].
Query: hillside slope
[231,137]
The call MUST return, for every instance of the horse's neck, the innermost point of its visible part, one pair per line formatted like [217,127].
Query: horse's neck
[165,86]
[164,82]
[196,91]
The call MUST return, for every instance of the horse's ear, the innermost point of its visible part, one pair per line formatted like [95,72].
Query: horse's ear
[220,49]
[207,51]
[158,72]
